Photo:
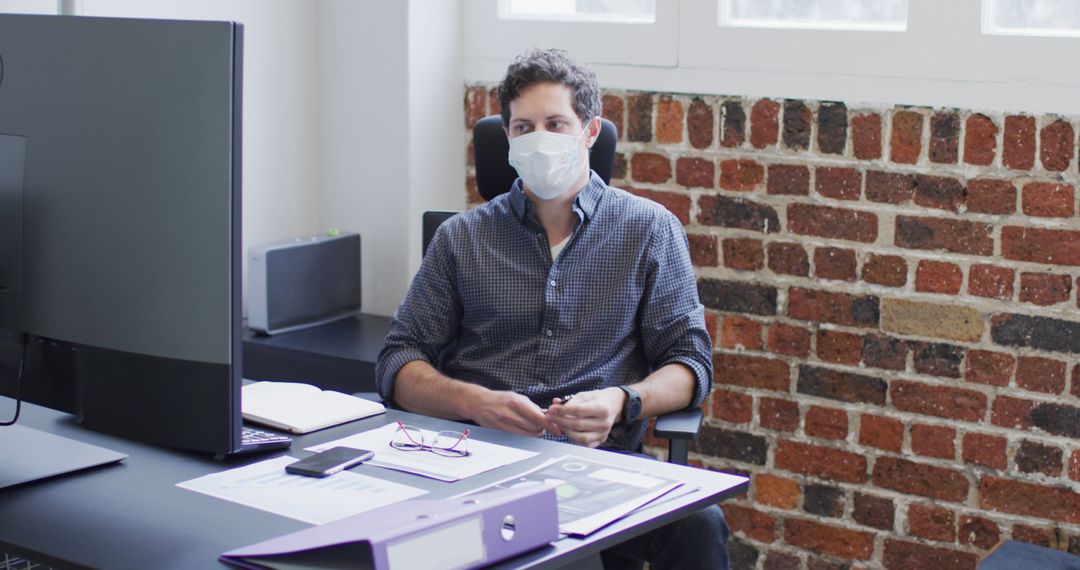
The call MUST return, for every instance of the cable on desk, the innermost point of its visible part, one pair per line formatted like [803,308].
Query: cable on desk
[18,380]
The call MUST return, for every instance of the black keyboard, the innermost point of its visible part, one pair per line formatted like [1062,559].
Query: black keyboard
[255,441]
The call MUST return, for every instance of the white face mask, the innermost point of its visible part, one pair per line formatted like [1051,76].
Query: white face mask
[548,163]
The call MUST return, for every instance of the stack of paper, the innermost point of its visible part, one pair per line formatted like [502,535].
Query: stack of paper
[302,408]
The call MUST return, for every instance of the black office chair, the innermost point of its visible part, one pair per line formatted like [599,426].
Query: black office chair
[495,176]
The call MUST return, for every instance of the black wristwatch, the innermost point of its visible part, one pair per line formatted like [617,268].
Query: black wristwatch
[631,410]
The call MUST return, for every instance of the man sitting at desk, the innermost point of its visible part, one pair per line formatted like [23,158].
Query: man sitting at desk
[562,286]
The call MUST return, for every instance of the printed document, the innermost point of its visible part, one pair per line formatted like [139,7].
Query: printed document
[266,486]
[482,456]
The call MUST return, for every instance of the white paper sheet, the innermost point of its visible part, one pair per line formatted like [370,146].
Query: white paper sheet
[266,486]
[483,456]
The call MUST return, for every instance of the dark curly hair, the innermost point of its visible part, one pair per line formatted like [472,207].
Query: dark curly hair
[550,66]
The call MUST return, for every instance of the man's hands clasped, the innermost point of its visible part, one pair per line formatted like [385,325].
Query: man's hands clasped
[587,419]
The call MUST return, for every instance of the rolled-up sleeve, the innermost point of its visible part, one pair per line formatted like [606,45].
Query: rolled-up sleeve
[427,320]
[672,319]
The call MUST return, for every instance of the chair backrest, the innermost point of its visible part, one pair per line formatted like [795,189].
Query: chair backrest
[494,175]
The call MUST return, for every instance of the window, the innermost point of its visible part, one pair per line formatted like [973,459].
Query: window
[876,15]
[29,6]
[621,11]
[1032,17]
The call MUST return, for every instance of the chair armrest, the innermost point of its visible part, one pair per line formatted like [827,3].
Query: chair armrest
[685,424]
[373,396]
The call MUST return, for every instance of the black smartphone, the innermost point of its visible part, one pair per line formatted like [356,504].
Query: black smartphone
[328,462]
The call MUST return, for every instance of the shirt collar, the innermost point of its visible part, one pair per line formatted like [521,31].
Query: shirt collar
[586,202]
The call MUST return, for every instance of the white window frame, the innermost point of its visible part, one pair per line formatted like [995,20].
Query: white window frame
[988,27]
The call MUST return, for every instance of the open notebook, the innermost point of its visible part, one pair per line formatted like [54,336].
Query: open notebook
[302,408]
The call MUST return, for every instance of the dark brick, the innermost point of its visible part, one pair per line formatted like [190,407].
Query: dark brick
[993,368]
[1038,245]
[978,532]
[737,213]
[780,561]
[789,340]
[890,270]
[991,196]
[823,500]
[1033,457]
[1029,499]
[980,140]
[889,187]
[885,352]
[866,136]
[694,172]
[904,555]
[789,180]
[741,175]
[1043,333]
[733,132]
[831,307]
[781,415]
[1040,374]
[797,119]
[938,234]
[1057,419]
[1056,145]
[940,192]
[614,110]
[920,479]
[838,183]
[941,401]
[764,127]
[737,296]
[872,511]
[1018,148]
[728,444]
[832,128]
[841,386]
[1031,535]
[639,121]
[834,263]
[906,142]
[699,123]
[991,281]
[985,450]
[741,554]
[944,138]
[788,259]
[938,359]
[618,166]
[829,222]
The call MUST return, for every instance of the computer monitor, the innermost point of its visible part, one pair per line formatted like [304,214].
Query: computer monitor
[120,209]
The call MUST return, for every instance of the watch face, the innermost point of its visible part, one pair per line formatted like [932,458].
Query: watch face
[632,409]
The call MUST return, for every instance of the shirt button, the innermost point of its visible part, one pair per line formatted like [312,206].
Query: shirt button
[552,282]
[548,332]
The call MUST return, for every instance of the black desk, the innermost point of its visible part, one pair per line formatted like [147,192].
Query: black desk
[337,356]
[132,515]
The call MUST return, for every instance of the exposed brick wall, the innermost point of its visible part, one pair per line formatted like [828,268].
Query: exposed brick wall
[893,298]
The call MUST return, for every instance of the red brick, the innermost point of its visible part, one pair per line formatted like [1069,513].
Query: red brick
[752,371]
[734,407]
[1029,499]
[639,111]
[866,136]
[789,340]
[978,532]
[1018,146]
[1048,200]
[829,222]
[1074,465]
[1076,380]
[932,522]
[829,423]
[920,479]
[741,332]
[824,462]
[944,138]
[906,142]
[1056,145]
[712,324]
[1059,247]
[991,281]
[832,307]
[775,491]
[1040,374]
[940,401]
[669,120]
[872,511]
[747,254]
[1032,535]
[788,180]
[830,540]
[993,368]
[788,259]
[741,175]
[980,140]
[890,270]
[618,166]
[940,192]
[614,111]
[750,523]
[780,415]
[985,450]
[886,352]
[472,195]
[956,236]
[938,277]
[1011,412]
[703,251]
[493,101]
[839,183]
[933,441]
[475,105]
[676,203]
[834,263]
[889,187]
[839,347]
[1045,289]
[881,432]
[991,196]
[650,167]
[904,555]
[699,124]
[694,172]
[733,126]
[764,124]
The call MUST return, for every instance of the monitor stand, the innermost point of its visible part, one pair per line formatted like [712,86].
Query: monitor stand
[27,454]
